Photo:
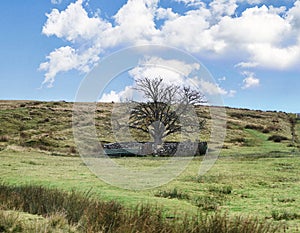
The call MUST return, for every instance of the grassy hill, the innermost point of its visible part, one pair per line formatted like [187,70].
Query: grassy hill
[257,175]
[47,126]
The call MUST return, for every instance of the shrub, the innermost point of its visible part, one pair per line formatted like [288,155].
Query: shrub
[255,127]
[277,138]
[238,140]
[73,150]
[277,215]
[241,115]
[271,128]
[222,190]
[208,203]
[4,138]
[286,200]
[174,193]
[266,130]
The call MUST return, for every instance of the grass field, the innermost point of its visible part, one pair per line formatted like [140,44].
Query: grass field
[253,176]
[264,187]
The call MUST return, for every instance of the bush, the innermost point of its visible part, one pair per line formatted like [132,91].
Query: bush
[255,127]
[223,189]
[208,203]
[276,215]
[266,130]
[174,193]
[238,140]
[277,138]
[4,138]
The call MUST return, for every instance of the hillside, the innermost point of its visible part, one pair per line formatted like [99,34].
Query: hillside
[261,184]
[47,126]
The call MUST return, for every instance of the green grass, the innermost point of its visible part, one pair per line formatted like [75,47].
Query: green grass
[245,186]
[253,177]
[47,126]
[72,212]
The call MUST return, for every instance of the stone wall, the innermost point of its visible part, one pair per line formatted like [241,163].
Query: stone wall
[186,148]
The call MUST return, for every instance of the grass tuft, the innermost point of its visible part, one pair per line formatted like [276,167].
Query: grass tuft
[174,193]
[72,212]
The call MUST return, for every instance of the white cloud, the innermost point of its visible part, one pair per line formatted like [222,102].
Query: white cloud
[221,8]
[110,97]
[192,2]
[56,1]
[247,64]
[262,36]
[128,93]
[266,36]
[129,29]
[250,80]
[190,32]
[273,57]
[172,71]
[252,2]
[65,59]
[231,93]
[168,14]
[74,24]
[222,79]
[293,15]
[213,89]
[256,25]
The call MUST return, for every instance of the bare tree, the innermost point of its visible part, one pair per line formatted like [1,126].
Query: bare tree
[164,108]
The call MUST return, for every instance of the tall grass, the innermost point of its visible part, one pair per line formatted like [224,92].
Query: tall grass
[90,215]
[12,222]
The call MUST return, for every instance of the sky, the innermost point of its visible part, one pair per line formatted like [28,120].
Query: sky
[251,47]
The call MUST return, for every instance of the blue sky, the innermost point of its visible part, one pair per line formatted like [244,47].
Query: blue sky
[251,47]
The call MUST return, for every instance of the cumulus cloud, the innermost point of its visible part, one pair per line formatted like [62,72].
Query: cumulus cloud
[256,25]
[65,59]
[166,14]
[175,71]
[112,96]
[250,80]
[172,72]
[259,36]
[170,69]
[221,8]
[213,89]
[74,24]
[128,93]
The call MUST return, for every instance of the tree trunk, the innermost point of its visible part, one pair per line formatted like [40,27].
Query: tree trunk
[157,142]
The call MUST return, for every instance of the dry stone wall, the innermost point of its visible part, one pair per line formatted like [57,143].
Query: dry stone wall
[186,148]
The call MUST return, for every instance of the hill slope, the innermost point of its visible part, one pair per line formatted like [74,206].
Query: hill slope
[47,126]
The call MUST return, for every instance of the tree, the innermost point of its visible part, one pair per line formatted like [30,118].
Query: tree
[164,108]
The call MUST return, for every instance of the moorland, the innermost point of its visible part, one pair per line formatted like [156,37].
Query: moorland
[46,187]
